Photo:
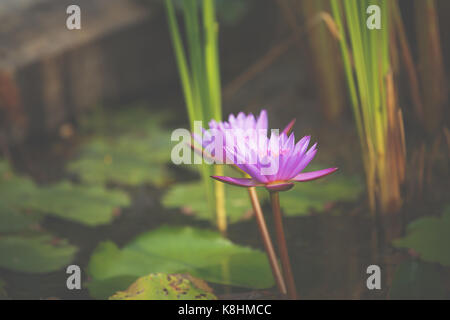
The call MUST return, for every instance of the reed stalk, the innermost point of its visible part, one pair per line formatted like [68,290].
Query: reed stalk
[378,118]
[199,71]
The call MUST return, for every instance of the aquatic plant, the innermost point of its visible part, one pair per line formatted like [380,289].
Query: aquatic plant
[200,79]
[379,120]
[279,156]
[227,133]
[275,163]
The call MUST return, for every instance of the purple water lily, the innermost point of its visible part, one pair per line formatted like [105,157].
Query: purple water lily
[223,135]
[274,163]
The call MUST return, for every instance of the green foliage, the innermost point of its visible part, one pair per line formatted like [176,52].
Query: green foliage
[89,205]
[417,280]
[103,289]
[128,163]
[35,253]
[201,253]
[199,70]
[14,219]
[15,191]
[379,123]
[127,147]
[24,203]
[317,194]
[190,197]
[430,238]
[161,286]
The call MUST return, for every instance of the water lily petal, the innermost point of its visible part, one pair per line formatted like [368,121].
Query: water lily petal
[289,126]
[262,121]
[308,176]
[240,182]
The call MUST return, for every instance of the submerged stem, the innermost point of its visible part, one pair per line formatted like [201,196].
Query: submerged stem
[282,247]
[267,241]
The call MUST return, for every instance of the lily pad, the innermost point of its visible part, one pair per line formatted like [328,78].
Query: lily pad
[127,146]
[191,198]
[89,205]
[13,219]
[161,286]
[36,253]
[202,253]
[124,161]
[23,203]
[429,237]
[417,280]
[316,195]
[15,192]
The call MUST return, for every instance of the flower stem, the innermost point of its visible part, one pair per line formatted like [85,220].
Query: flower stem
[282,247]
[219,189]
[267,241]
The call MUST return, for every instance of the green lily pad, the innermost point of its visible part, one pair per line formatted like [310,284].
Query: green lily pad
[417,280]
[23,203]
[305,196]
[124,161]
[202,253]
[36,253]
[160,286]
[429,237]
[13,219]
[103,289]
[191,198]
[89,205]
[127,146]
[15,191]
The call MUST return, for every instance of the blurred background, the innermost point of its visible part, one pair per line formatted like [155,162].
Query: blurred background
[85,123]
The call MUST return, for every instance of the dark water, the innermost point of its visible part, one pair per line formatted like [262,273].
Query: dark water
[329,253]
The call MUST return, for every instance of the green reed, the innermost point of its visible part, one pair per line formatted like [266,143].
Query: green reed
[379,123]
[199,70]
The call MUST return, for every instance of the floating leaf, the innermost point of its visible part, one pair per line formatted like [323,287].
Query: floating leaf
[36,253]
[417,280]
[124,161]
[128,147]
[90,205]
[15,191]
[13,219]
[161,286]
[430,238]
[202,253]
[317,194]
[103,289]
[191,198]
